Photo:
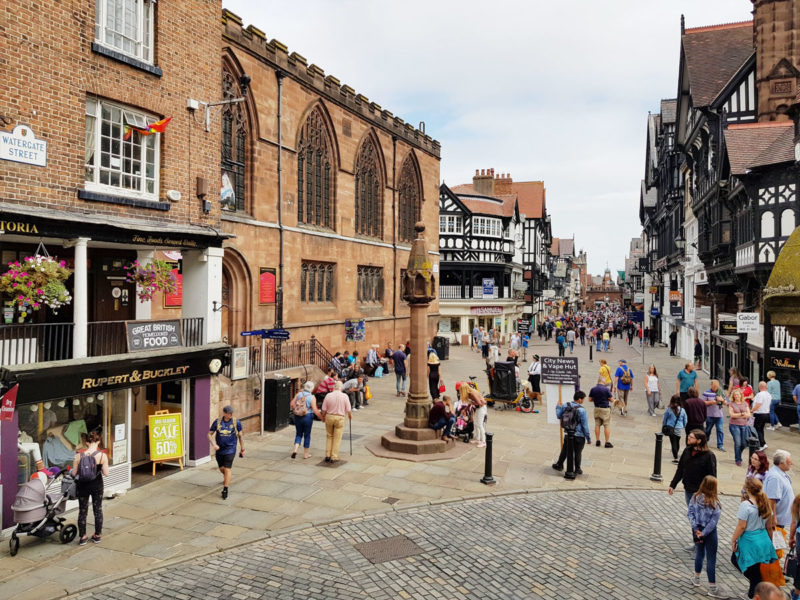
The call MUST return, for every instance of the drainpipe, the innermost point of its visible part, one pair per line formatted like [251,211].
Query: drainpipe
[279,75]
[394,236]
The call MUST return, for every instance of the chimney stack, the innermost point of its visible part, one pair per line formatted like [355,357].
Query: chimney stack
[484,183]
[502,185]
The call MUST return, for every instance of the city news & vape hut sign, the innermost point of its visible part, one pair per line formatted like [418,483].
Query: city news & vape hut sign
[560,370]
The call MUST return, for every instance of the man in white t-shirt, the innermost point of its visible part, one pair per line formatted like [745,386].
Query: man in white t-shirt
[761,403]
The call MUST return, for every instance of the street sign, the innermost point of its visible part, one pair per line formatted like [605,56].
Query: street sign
[488,287]
[635,316]
[654,312]
[560,370]
[523,325]
[747,322]
[269,334]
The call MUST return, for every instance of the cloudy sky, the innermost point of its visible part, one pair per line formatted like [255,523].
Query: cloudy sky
[556,91]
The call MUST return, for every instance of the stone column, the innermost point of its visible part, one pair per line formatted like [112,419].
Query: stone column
[418,401]
[80,300]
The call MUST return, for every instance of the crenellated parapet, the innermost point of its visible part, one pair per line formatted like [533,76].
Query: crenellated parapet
[277,55]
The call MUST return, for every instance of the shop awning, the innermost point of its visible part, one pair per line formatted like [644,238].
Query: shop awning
[77,377]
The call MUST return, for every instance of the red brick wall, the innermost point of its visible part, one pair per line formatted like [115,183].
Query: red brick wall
[49,69]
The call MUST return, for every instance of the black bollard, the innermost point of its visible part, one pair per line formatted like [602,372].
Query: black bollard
[656,476]
[590,353]
[570,442]
[753,444]
[487,471]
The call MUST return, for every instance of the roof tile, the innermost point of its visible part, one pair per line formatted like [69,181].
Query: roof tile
[759,144]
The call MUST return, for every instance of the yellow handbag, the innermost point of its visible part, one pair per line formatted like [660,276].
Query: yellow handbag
[367,393]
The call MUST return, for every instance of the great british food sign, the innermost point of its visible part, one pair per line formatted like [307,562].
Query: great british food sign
[20,145]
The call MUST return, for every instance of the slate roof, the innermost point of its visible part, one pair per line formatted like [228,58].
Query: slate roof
[752,145]
[669,110]
[495,206]
[649,197]
[530,196]
[713,55]
[566,247]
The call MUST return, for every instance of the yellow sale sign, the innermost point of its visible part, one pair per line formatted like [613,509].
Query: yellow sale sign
[166,437]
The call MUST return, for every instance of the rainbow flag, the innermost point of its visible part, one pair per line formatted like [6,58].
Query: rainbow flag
[157,127]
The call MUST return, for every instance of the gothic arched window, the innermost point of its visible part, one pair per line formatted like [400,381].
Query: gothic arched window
[234,144]
[369,191]
[315,173]
[410,198]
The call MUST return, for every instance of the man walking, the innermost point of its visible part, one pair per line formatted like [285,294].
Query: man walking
[673,341]
[695,411]
[715,400]
[582,331]
[606,340]
[624,378]
[686,379]
[561,342]
[399,360]
[571,339]
[223,435]
[600,395]
[476,339]
[581,437]
[334,409]
[778,488]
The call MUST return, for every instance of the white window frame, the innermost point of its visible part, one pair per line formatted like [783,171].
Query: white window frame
[487,227]
[451,224]
[148,146]
[137,43]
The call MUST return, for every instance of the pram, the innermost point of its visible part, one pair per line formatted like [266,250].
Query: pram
[464,426]
[36,512]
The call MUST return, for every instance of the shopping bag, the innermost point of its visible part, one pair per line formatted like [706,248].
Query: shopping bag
[367,393]
[441,387]
[790,563]
[378,372]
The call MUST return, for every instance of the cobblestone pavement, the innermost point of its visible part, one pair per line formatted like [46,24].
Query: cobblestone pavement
[588,544]
[181,517]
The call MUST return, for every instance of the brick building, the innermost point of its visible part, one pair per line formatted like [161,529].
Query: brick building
[84,178]
[327,240]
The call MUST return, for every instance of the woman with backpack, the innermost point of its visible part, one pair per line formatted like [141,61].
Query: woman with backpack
[304,409]
[90,466]
[673,425]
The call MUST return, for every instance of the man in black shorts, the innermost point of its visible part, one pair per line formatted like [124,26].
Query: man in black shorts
[223,435]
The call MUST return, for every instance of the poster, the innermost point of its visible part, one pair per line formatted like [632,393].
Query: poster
[119,432]
[119,452]
[560,370]
[175,299]
[241,363]
[166,437]
[266,286]
[355,330]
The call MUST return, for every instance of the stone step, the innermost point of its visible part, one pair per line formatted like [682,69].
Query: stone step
[391,442]
[414,433]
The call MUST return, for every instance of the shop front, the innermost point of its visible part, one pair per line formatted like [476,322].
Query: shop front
[786,365]
[58,404]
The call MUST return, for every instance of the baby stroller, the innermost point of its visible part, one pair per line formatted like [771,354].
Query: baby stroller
[464,426]
[36,512]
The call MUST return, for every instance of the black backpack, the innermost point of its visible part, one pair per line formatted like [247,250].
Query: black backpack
[87,467]
[570,418]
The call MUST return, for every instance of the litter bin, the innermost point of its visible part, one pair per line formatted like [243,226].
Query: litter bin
[441,345]
[277,398]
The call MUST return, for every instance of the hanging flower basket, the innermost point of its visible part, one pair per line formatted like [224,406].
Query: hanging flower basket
[155,276]
[37,281]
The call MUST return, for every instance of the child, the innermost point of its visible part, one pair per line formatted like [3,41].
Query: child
[704,511]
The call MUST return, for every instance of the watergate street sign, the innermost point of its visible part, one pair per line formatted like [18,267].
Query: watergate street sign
[560,370]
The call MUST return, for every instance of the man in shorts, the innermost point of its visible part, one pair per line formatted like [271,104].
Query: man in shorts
[223,435]
[600,395]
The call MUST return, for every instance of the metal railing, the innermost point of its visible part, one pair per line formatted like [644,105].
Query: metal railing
[43,342]
[285,354]
[30,343]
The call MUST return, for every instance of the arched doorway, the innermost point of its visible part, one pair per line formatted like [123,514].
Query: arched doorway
[237,292]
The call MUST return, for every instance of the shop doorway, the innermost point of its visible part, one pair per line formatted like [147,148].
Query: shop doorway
[145,401]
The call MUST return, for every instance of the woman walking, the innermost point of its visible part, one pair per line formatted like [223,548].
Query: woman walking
[88,486]
[774,389]
[704,512]
[739,412]
[751,542]
[604,375]
[759,465]
[433,375]
[652,388]
[673,425]
[304,408]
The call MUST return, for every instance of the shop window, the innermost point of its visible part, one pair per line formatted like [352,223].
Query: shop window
[50,433]
[119,159]
[455,324]
[126,26]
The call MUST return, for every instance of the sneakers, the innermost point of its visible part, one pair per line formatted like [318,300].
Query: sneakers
[764,447]
[696,580]
[738,463]
[777,426]
[721,449]
[770,428]
[715,592]
[597,443]
[691,548]
[83,541]
[224,493]
[608,444]
[675,461]
[578,471]
[96,539]
[557,467]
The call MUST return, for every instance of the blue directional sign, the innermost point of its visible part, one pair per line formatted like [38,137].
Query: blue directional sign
[269,334]
[655,312]
[635,316]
